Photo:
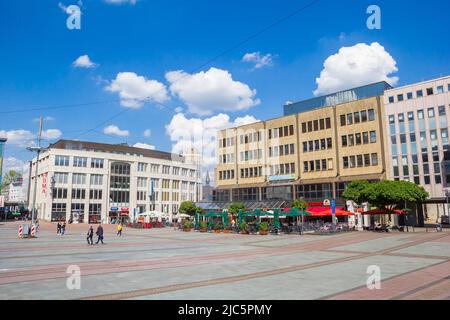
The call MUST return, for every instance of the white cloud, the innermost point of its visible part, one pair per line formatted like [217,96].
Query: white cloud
[200,134]
[214,90]
[147,133]
[258,60]
[51,134]
[114,130]
[12,163]
[132,2]
[144,146]
[46,119]
[355,66]
[26,138]
[84,62]
[135,90]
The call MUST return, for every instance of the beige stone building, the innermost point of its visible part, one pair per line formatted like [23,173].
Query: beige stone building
[312,152]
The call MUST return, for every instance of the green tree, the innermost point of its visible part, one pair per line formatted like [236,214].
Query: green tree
[235,207]
[9,177]
[355,191]
[387,195]
[300,204]
[188,207]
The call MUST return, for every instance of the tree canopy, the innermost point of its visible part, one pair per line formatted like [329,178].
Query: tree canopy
[188,207]
[10,176]
[235,207]
[300,204]
[385,194]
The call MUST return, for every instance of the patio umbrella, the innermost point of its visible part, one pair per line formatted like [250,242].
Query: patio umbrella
[380,211]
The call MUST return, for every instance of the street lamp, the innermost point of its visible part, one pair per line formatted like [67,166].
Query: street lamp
[38,150]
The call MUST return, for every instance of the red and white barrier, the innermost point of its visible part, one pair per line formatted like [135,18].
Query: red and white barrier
[20,233]
[33,230]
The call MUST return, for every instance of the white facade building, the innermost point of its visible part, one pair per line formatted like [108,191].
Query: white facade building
[418,125]
[94,182]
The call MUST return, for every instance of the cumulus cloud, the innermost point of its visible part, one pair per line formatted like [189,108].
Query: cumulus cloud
[355,66]
[135,90]
[26,138]
[214,90]
[116,131]
[84,62]
[200,134]
[144,146]
[258,59]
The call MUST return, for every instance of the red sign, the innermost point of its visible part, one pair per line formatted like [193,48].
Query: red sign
[124,209]
[44,183]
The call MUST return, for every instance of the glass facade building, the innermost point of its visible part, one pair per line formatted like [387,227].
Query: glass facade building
[359,93]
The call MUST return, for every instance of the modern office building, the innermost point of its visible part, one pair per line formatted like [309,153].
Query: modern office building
[95,182]
[2,146]
[418,118]
[312,152]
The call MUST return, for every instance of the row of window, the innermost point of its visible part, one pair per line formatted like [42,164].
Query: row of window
[360,161]
[316,125]
[359,138]
[61,193]
[251,155]
[419,93]
[226,175]
[251,172]
[154,168]
[318,165]
[80,162]
[226,142]
[317,145]
[357,117]
[282,169]
[251,137]
[281,132]
[284,150]
[226,158]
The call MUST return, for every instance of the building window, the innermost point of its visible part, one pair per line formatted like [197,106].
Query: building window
[78,194]
[79,162]
[61,178]
[342,120]
[349,118]
[419,93]
[62,161]
[142,167]
[400,97]
[391,99]
[97,163]
[363,116]
[356,117]
[95,194]
[79,178]
[371,115]
[409,95]
[440,89]
[374,157]
[96,179]
[59,193]
[429,91]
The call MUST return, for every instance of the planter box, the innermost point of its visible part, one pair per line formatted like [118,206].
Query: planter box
[217,231]
[244,232]
[226,231]
[187,230]
[263,233]
[203,230]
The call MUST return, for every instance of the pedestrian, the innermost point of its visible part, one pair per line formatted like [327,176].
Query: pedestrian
[99,234]
[63,228]
[119,229]
[58,228]
[90,236]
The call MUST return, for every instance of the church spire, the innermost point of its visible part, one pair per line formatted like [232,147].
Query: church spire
[207,179]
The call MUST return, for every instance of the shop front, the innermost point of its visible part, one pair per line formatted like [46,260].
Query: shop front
[113,215]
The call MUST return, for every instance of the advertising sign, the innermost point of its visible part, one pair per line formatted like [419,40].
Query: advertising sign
[282,177]
[44,183]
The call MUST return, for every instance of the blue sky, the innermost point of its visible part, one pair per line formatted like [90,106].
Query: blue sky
[153,37]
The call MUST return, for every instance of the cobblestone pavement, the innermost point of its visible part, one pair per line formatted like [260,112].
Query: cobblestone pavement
[168,264]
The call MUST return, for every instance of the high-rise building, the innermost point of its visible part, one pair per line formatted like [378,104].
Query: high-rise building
[312,152]
[418,118]
[92,182]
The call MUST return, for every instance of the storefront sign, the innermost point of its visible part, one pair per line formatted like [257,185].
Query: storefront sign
[44,183]
[326,203]
[282,178]
[114,209]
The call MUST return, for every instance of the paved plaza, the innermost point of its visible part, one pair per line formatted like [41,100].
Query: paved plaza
[168,264]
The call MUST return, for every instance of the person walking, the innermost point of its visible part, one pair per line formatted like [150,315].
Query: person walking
[99,234]
[119,229]
[58,228]
[63,228]
[90,236]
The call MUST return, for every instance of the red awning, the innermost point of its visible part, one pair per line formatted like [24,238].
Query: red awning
[326,212]
[379,212]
